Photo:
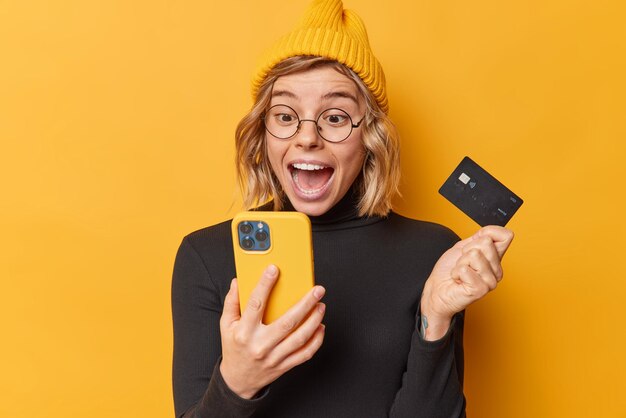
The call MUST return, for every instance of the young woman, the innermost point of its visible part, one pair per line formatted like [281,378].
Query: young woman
[387,338]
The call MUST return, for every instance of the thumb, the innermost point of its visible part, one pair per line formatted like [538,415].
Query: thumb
[500,236]
[464,242]
[231,312]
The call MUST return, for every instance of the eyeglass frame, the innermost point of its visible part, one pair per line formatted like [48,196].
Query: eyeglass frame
[352,125]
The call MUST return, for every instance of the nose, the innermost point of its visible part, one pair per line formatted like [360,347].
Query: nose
[307,135]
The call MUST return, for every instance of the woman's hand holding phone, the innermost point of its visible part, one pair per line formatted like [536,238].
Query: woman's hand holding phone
[255,354]
[464,274]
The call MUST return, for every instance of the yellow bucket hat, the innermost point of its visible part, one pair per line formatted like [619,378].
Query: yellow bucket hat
[328,30]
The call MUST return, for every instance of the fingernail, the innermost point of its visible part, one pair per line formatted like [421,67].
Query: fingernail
[321,308]
[272,270]
[319,292]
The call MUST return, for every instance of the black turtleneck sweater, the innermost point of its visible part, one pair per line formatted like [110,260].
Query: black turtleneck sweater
[373,362]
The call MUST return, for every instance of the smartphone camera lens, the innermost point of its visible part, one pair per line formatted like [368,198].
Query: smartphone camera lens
[247,243]
[245,227]
[260,235]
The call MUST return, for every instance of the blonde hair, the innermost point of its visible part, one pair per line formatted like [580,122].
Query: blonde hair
[378,181]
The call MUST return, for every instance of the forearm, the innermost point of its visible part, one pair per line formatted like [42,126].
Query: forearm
[221,402]
[435,316]
[432,385]
[197,303]
[432,326]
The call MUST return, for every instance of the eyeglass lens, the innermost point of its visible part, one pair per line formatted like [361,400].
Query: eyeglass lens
[334,125]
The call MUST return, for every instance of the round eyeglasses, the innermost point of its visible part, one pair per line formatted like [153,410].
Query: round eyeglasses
[333,125]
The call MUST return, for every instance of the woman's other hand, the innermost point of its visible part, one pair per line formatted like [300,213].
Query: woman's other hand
[464,274]
[255,354]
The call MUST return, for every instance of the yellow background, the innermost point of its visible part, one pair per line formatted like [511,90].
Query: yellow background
[116,133]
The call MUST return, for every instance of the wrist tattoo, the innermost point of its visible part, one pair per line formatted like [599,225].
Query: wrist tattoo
[423,326]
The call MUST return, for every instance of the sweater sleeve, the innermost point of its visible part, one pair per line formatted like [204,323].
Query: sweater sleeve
[432,385]
[199,389]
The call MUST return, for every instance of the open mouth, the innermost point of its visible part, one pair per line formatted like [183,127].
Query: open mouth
[311,179]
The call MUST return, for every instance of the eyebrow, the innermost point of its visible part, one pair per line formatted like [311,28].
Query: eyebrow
[342,94]
[286,93]
[327,96]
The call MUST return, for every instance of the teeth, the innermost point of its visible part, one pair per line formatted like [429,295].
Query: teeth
[310,167]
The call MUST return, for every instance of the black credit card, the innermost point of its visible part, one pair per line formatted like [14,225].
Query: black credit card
[479,195]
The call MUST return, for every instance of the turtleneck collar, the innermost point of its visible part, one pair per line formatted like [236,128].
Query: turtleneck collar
[341,216]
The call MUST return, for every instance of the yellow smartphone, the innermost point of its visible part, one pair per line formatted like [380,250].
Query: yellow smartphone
[279,238]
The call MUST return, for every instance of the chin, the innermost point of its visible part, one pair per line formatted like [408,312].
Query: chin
[310,208]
